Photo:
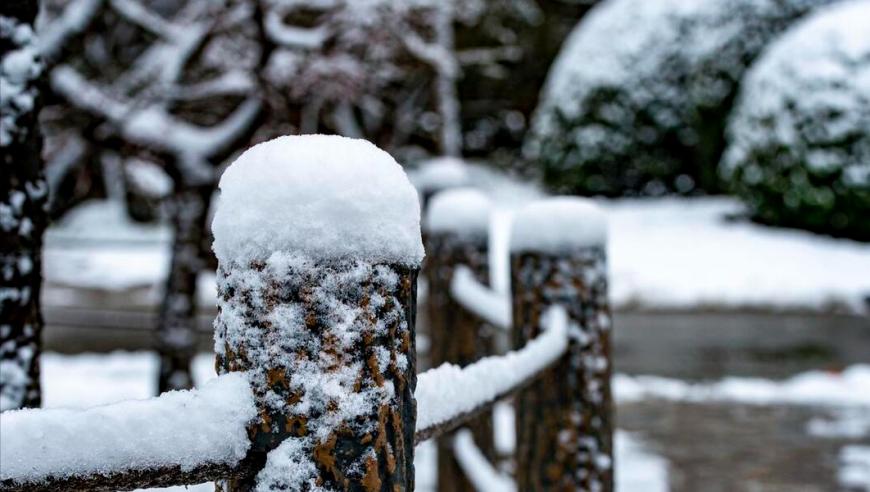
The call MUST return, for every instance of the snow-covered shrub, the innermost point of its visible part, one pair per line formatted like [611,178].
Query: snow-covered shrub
[636,102]
[799,137]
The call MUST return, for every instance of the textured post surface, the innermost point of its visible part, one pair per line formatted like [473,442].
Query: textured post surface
[318,244]
[565,420]
[457,234]
[23,195]
[307,332]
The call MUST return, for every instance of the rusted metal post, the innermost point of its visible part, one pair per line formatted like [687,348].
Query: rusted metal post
[457,232]
[324,328]
[565,420]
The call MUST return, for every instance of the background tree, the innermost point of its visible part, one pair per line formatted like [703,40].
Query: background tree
[23,196]
[172,83]
[505,51]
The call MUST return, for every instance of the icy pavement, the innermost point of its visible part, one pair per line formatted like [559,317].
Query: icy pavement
[664,253]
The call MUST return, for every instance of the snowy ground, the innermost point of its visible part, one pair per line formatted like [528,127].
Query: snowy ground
[664,254]
[90,379]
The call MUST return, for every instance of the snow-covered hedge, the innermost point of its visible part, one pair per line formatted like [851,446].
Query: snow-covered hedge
[799,138]
[636,103]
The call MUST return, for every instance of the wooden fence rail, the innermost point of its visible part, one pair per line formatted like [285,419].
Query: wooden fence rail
[315,345]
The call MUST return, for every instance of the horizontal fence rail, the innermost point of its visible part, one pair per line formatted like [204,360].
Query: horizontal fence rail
[178,438]
[477,467]
[480,300]
[448,396]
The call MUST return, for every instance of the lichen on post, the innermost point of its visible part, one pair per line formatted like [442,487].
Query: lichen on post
[565,420]
[457,233]
[318,244]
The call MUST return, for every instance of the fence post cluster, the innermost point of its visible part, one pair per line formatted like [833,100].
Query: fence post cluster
[322,321]
[456,226]
[564,421]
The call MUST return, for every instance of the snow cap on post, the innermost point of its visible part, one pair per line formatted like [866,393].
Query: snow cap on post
[461,211]
[322,196]
[557,225]
[441,173]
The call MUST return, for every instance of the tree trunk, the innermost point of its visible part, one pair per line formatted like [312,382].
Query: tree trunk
[176,331]
[23,195]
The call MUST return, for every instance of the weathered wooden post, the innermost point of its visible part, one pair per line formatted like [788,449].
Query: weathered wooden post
[457,232]
[565,420]
[318,244]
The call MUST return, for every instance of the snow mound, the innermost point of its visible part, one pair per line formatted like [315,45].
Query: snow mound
[462,211]
[646,115]
[327,197]
[557,225]
[799,137]
[183,428]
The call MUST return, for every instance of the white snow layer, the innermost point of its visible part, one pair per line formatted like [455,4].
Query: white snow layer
[684,253]
[851,387]
[855,467]
[557,225]
[477,467]
[817,71]
[439,174]
[664,253]
[448,390]
[462,211]
[327,197]
[491,306]
[184,428]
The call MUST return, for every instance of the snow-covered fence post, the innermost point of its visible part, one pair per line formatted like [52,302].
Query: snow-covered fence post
[437,175]
[457,233]
[318,244]
[23,194]
[565,420]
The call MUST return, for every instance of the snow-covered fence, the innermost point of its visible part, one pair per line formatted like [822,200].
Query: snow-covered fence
[564,421]
[563,399]
[319,244]
[179,438]
[456,232]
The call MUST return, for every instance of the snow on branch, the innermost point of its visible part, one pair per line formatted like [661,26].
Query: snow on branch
[482,475]
[178,433]
[448,395]
[292,36]
[72,21]
[479,299]
[153,126]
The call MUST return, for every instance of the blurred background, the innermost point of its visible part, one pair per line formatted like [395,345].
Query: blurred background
[727,140]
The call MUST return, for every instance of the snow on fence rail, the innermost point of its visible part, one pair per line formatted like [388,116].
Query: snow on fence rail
[315,344]
[188,436]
